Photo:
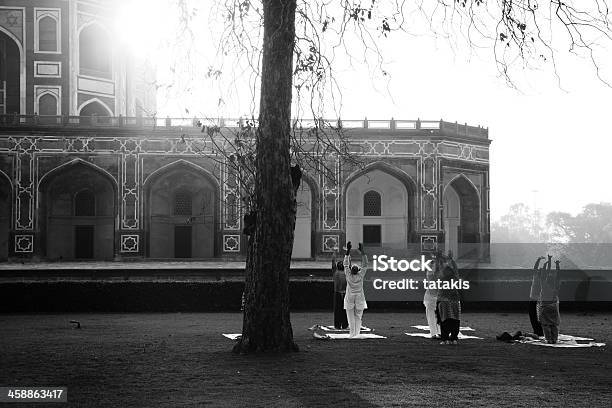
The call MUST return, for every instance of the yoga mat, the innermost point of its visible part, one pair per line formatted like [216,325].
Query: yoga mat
[333,329]
[563,344]
[426,335]
[337,336]
[427,328]
[567,337]
[565,341]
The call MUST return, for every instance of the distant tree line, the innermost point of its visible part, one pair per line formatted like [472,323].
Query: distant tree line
[523,224]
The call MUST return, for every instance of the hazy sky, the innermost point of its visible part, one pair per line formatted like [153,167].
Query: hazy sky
[551,143]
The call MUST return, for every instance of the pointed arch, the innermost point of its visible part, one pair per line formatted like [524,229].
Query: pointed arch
[309,229]
[74,229]
[96,23]
[175,164]
[47,33]
[174,234]
[74,162]
[316,197]
[462,176]
[396,172]
[469,221]
[48,107]
[22,70]
[6,178]
[404,178]
[93,101]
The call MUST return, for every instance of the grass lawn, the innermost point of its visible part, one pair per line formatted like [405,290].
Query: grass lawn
[181,360]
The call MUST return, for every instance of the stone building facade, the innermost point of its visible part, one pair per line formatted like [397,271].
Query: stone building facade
[108,191]
[88,172]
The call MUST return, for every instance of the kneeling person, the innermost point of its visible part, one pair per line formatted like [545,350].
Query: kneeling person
[449,304]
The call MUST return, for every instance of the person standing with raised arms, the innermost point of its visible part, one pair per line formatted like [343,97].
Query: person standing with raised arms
[340,318]
[534,296]
[548,303]
[354,299]
[430,300]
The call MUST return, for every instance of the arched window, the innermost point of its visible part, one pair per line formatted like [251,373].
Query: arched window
[85,204]
[182,203]
[95,52]
[47,105]
[47,34]
[371,204]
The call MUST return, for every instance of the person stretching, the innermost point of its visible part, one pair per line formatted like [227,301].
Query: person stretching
[340,318]
[534,295]
[548,303]
[430,300]
[354,300]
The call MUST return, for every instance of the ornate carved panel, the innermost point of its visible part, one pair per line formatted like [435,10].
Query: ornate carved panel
[130,192]
[330,242]
[330,179]
[417,148]
[429,243]
[25,192]
[12,20]
[231,243]
[129,243]
[428,185]
[231,199]
[24,244]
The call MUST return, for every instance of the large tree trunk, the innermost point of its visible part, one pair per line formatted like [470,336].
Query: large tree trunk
[266,324]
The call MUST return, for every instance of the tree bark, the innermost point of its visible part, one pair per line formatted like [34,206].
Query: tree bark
[266,322]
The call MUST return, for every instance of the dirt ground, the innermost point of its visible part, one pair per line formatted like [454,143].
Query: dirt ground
[181,360]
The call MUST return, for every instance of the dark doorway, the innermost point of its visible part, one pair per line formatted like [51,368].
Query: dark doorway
[182,241]
[372,235]
[84,241]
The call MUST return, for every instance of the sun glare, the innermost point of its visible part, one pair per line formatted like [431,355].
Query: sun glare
[141,25]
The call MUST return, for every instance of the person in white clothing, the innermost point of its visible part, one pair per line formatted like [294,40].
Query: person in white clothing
[354,299]
[430,301]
